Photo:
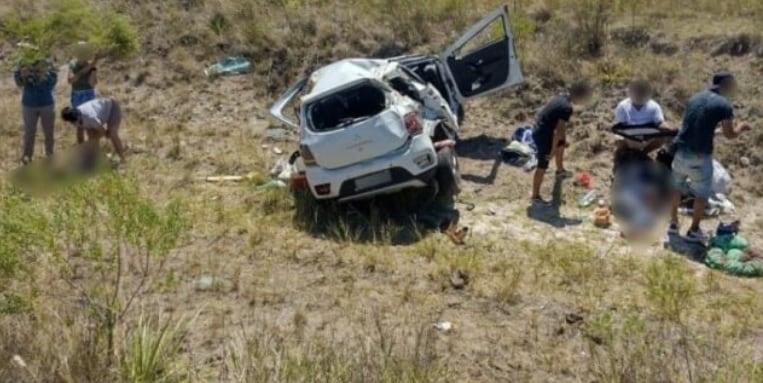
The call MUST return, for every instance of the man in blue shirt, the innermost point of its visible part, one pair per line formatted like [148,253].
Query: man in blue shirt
[693,163]
[37,81]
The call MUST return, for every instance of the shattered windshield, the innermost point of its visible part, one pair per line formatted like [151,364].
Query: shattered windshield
[346,107]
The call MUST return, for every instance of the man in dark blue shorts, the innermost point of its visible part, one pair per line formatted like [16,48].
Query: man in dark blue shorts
[693,162]
[550,133]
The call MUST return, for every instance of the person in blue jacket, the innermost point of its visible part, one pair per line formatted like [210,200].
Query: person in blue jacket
[37,104]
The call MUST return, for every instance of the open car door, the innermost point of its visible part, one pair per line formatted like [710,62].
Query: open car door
[277,110]
[483,60]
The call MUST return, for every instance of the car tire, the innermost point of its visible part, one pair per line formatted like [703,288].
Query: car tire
[447,176]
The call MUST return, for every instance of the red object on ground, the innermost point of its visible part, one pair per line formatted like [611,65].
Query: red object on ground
[584,179]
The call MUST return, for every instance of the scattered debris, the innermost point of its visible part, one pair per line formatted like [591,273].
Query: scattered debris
[732,253]
[272,184]
[279,167]
[589,198]
[584,180]
[456,234]
[716,205]
[721,179]
[19,361]
[277,150]
[207,282]
[602,218]
[459,279]
[744,162]
[443,325]
[229,66]
[727,228]
[518,154]
[248,177]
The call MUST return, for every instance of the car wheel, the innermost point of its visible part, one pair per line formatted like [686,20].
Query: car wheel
[447,175]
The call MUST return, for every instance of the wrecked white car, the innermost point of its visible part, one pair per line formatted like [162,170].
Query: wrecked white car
[369,127]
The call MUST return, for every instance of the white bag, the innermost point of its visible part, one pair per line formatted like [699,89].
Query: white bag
[721,179]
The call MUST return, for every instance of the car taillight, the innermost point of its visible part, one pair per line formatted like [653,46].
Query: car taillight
[413,124]
[299,182]
[323,189]
[307,155]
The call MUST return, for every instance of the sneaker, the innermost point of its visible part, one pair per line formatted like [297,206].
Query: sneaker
[26,160]
[696,236]
[674,229]
[563,174]
[538,201]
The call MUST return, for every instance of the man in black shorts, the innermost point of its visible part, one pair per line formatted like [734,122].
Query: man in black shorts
[550,132]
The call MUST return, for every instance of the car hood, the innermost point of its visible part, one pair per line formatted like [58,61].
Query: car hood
[343,73]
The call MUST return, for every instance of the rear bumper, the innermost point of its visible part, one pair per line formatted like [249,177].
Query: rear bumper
[403,170]
[401,179]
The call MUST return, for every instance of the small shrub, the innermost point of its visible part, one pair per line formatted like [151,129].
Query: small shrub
[592,18]
[152,351]
[118,36]
[131,233]
[670,288]
[219,24]
[67,22]
[26,235]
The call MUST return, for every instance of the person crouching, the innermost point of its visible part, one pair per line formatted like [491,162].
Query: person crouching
[98,118]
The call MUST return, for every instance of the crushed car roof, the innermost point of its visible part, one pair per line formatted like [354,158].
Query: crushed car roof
[341,73]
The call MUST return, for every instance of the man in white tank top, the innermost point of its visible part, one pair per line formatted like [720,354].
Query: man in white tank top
[639,109]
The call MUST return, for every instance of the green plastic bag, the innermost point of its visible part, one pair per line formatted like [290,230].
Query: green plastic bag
[716,258]
[739,242]
[731,262]
[729,242]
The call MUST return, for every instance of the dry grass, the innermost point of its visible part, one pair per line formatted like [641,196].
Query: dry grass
[281,292]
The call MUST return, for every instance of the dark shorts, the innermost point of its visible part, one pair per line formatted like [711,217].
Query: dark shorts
[544,151]
[115,118]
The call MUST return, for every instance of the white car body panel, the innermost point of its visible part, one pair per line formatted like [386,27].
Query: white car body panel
[351,156]
[514,73]
[374,137]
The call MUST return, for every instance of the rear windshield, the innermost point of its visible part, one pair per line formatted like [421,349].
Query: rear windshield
[346,107]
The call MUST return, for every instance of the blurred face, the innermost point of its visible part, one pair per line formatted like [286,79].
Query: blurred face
[640,96]
[729,87]
[583,99]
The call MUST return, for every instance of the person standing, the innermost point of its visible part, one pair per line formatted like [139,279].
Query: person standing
[693,162]
[550,133]
[83,79]
[37,104]
[101,117]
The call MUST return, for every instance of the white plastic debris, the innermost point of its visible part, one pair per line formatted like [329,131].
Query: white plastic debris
[443,325]
[721,179]
[19,361]
[279,167]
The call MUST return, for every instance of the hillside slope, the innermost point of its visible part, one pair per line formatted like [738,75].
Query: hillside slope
[260,297]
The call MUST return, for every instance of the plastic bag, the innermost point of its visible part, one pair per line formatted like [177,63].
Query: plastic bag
[721,179]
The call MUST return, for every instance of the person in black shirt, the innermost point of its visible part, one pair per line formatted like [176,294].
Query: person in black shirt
[550,132]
